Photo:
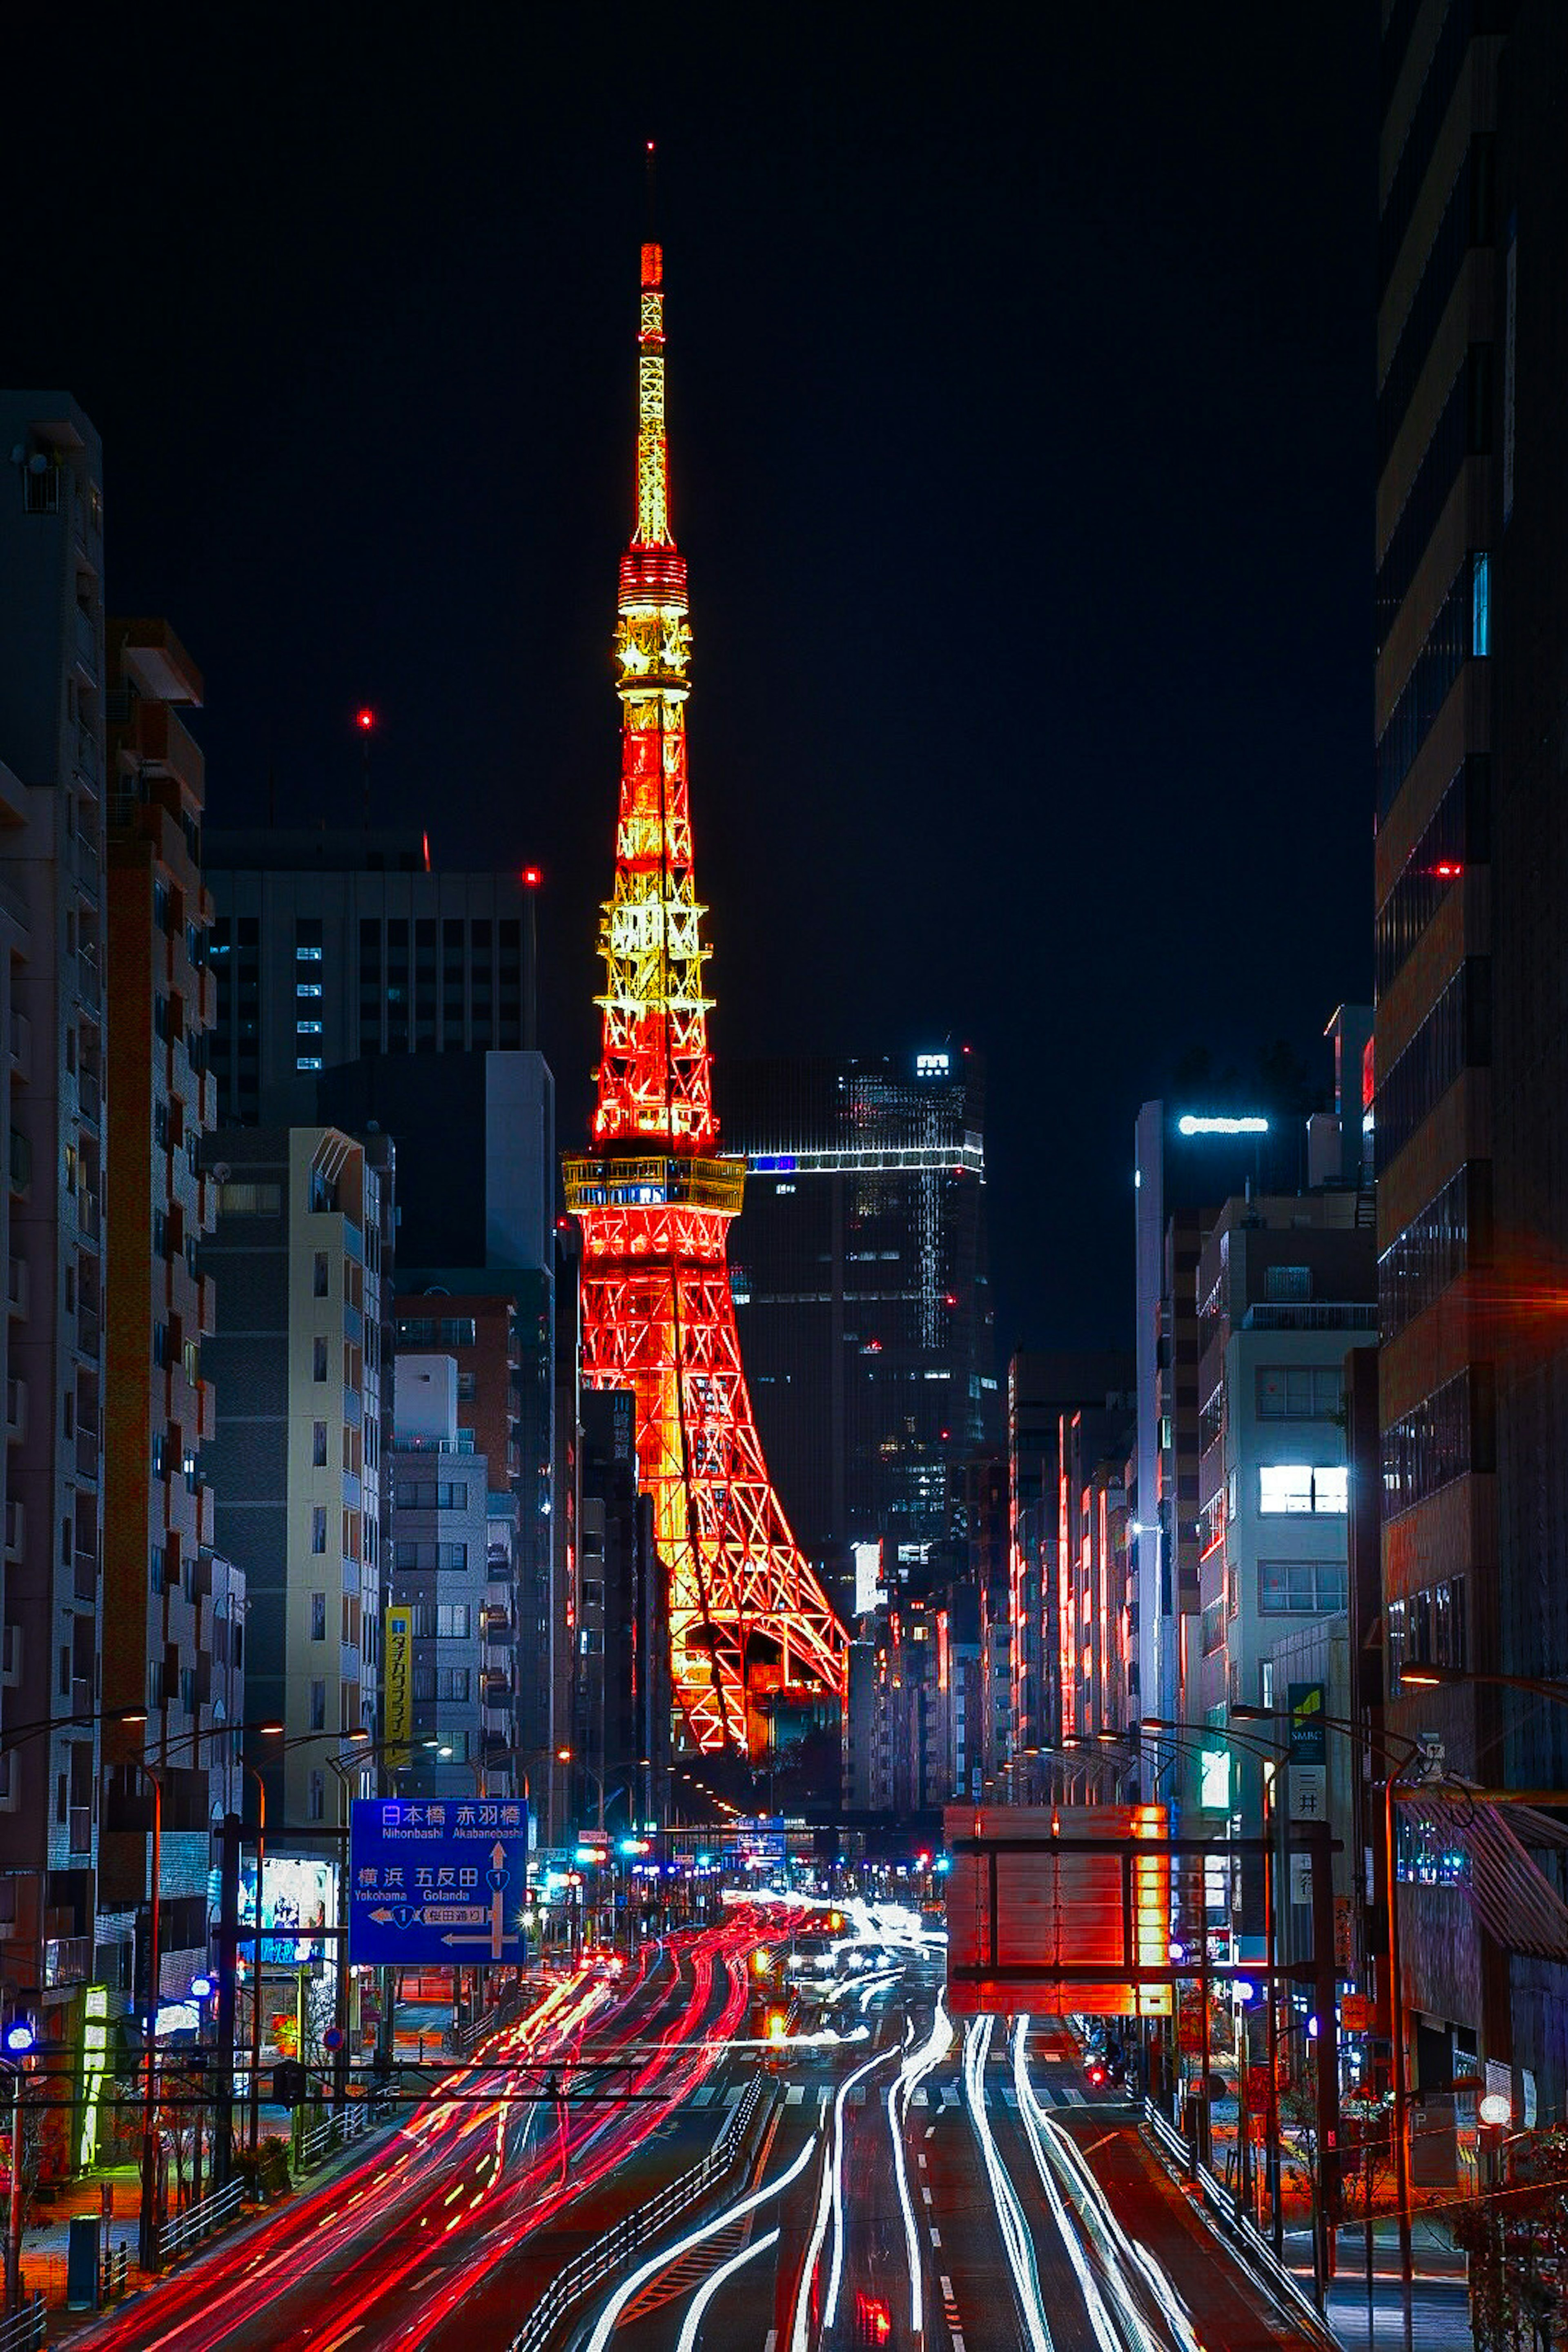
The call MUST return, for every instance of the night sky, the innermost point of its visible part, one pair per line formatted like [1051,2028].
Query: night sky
[1020,393]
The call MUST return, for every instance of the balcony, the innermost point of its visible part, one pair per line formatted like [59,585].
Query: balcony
[15,1409]
[88,1218]
[21,1161]
[84,1574]
[17,1289]
[87,870]
[78,1829]
[206,1413]
[87,645]
[21,1046]
[354,1325]
[89,1334]
[87,1453]
[88,983]
[68,1959]
[206,1306]
[89,1098]
[16,1529]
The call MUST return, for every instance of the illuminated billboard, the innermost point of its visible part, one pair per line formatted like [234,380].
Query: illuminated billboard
[1038,1895]
[869,1586]
[398,1682]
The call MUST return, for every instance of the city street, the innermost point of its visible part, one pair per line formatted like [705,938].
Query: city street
[896,2180]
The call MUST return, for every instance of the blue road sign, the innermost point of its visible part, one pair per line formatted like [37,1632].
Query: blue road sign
[437,1882]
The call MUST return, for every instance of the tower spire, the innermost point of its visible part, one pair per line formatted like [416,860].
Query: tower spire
[655,1082]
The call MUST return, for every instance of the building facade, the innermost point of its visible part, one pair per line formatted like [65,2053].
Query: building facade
[331,946]
[51,1087]
[862,1295]
[301,1261]
[440,1572]
[166,1600]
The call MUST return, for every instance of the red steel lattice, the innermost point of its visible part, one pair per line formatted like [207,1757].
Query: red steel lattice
[747,1617]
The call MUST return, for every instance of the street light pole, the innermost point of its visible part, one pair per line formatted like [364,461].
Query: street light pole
[147,2235]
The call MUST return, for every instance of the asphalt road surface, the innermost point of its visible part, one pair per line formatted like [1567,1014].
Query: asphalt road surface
[891,2177]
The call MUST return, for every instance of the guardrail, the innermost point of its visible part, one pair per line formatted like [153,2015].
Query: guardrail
[634,2230]
[197,2221]
[465,2040]
[1239,2227]
[24,2331]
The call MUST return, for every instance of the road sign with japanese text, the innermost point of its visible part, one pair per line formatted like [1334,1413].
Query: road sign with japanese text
[437,1882]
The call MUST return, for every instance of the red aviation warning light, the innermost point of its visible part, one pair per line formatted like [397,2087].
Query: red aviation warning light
[364,719]
[750,1626]
[531,877]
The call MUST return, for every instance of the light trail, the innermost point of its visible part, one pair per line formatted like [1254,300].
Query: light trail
[910,2074]
[835,2268]
[1029,2112]
[1117,2249]
[1014,2229]
[609,2318]
[685,2341]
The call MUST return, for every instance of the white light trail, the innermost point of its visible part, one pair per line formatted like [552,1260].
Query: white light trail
[1010,2219]
[835,2269]
[1117,2250]
[687,2340]
[912,2072]
[609,2318]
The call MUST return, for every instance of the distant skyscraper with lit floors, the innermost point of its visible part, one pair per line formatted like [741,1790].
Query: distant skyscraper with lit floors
[751,1629]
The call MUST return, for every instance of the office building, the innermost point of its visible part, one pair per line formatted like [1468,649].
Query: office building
[165,1597]
[622,1696]
[52,1214]
[1044,1391]
[301,1261]
[331,946]
[862,1297]
[1095,1593]
[1471,618]
[441,1573]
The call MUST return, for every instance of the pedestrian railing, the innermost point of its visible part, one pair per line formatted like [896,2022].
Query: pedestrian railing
[351,2123]
[197,2221]
[465,2038]
[1240,2228]
[25,2328]
[113,2274]
[635,2230]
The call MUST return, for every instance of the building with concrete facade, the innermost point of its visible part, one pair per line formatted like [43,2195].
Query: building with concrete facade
[52,1214]
[439,1570]
[301,1260]
[166,1600]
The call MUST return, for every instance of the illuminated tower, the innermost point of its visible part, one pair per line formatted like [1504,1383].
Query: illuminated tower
[747,1618]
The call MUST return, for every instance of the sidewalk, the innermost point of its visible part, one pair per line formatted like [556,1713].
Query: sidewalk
[1440,2304]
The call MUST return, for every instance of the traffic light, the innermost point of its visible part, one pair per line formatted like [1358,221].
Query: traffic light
[289,2084]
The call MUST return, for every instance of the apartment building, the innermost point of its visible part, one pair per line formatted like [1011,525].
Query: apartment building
[52,1215]
[439,1571]
[165,1599]
[301,1261]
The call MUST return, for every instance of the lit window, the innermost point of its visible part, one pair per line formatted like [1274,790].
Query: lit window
[1293,1487]
[306,955]
[307,1028]
[307,1061]
[309,988]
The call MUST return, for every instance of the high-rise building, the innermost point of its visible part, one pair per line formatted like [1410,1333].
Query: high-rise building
[500,1342]
[51,1216]
[439,1572]
[1044,1391]
[752,1634]
[1470,1054]
[328,946]
[861,1290]
[301,1260]
[165,1597]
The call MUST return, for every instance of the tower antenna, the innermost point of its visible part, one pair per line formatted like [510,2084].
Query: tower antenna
[652,193]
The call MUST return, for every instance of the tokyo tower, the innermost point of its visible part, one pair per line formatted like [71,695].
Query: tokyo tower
[747,1617]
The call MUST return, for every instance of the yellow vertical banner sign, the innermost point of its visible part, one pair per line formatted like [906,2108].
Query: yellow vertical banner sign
[399,1685]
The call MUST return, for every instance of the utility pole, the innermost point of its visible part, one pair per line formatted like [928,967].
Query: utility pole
[227,1971]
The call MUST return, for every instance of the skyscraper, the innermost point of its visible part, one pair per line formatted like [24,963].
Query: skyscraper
[750,1628]
[862,1297]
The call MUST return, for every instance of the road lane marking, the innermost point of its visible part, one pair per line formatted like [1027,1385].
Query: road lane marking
[926,2195]
[935,2235]
[795,2095]
[770,2339]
